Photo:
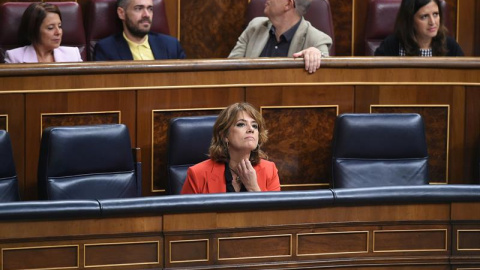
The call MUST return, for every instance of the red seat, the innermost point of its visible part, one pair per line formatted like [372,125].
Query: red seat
[318,14]
[72,24]
[102,21]
[381,17]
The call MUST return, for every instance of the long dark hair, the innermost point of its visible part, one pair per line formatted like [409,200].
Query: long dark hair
[405,31]
[32,19]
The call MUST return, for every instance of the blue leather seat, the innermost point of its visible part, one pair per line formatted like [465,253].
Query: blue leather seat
[87,162]
[8,174]
[188,143]
[372,150]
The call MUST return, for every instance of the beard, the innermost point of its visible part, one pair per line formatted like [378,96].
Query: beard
[135,30]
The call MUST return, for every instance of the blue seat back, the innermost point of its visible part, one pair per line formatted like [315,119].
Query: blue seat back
[188,143]
[8,174]
[87,162]
[371,150]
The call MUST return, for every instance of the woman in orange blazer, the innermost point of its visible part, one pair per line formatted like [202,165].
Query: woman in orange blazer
[236,162]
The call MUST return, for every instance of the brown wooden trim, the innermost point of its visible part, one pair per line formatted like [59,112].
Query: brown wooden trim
[14,70]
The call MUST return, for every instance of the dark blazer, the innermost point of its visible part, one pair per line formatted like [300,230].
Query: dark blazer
[390,46]
[115,47]
[209,177]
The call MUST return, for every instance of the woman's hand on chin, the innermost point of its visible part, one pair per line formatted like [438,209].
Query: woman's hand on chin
[248,175]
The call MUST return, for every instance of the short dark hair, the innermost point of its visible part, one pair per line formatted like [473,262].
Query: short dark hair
[32,19]
[218,148]
[405,32]
[123,3]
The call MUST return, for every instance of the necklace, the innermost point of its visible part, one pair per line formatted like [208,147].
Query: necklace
[237,179]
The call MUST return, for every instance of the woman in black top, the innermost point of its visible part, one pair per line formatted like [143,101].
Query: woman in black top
[419,31]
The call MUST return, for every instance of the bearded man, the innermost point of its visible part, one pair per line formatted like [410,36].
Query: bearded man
[136,42]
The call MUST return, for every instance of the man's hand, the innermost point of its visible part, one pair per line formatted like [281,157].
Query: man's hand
[312,58]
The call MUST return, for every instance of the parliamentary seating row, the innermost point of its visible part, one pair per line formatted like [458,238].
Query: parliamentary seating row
[101,21]
[77,162]
[368,150]
[96,162]
[380,22]
[248,201]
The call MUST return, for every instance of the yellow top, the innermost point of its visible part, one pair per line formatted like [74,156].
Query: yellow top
[140,51]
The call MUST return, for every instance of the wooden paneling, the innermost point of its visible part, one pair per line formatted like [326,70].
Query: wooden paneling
[437,122]
[426,240]
[342,25]
[468,240]
[210,30]
[327,243]
[264,247]
[133,253]
[55,257]
[299,142]
[160,124]
[4,122]
[12,111]
[76,109]
[173,223]
[77,119]
[360,10]
[172,11]
[36,95]
[467,20]
[326,236]
[391,236]
[176,251]
[300,136]
[472,135]
[477,27]
[44,229]
[163,105]
[452,96]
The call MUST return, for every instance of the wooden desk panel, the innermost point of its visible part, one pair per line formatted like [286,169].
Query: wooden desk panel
[390,236]
[72,108]
[12,115]
[136,89]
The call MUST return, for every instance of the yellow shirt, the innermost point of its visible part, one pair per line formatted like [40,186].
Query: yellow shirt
[140,51]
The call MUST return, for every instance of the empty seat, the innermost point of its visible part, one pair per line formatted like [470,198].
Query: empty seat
[87,162]
[188,143]
[381,17]
[72,24]
[319,15]
[372,150]
[102,21]
[8,174]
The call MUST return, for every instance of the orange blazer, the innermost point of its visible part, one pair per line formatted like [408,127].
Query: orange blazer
[209,177]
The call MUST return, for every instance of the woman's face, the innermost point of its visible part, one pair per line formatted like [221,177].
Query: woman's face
[243,135]
[427,21]
[51,31]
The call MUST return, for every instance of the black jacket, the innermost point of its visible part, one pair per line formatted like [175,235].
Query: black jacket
[390,46]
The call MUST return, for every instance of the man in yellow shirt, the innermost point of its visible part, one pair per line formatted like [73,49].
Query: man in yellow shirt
[136,42]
